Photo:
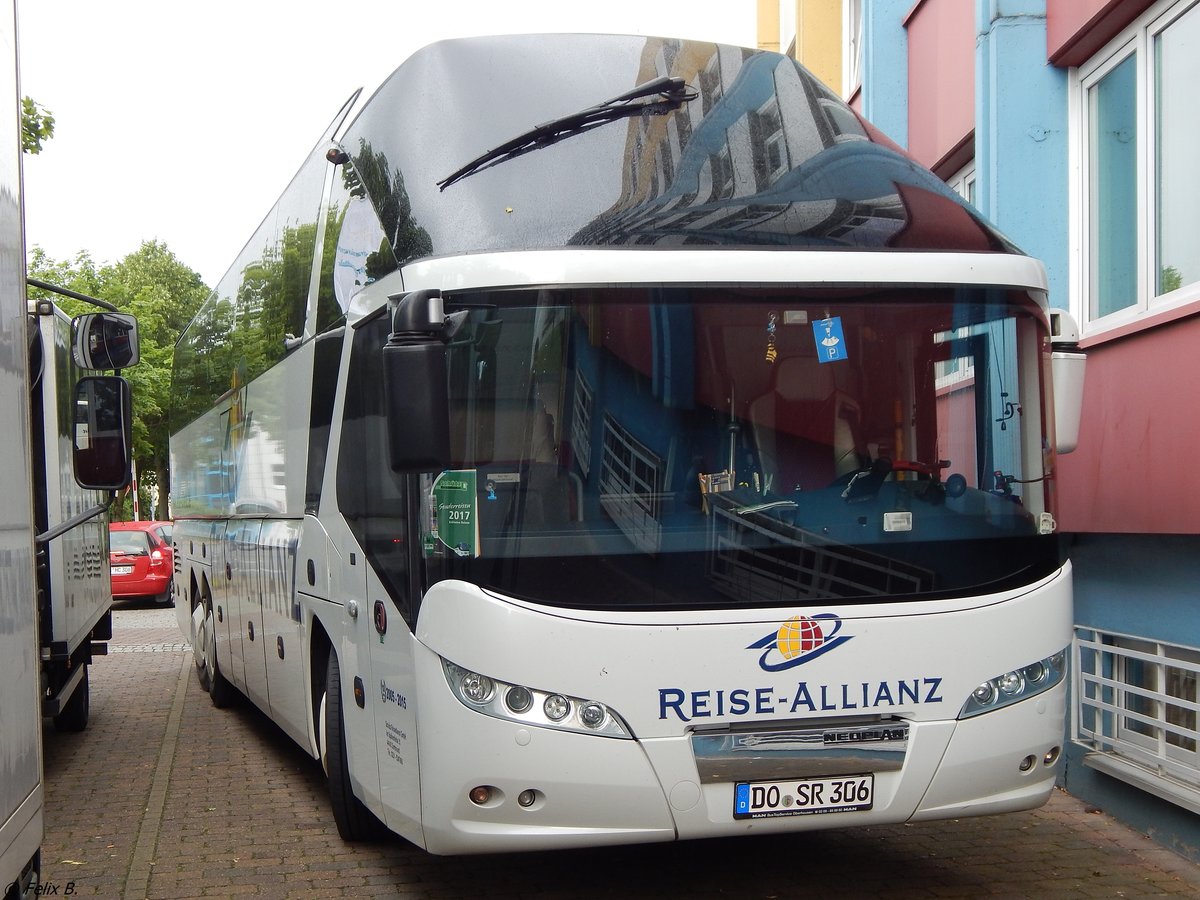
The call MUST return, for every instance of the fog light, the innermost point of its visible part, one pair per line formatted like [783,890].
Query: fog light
[592,715]
[1051,756]
[1028,763]
[527,798]
[1011,683]
[556,707]
[518,699]
[480,795]
[477,688]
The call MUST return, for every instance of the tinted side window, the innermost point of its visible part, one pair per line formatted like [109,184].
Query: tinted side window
[356,251]
[274,272]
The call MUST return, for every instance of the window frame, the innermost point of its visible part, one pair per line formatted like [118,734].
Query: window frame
[1148,307]
[852,41]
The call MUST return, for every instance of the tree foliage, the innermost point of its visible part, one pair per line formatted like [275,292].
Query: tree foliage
[164,294]
[37,126]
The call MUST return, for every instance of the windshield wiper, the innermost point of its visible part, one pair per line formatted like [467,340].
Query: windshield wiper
[665,95]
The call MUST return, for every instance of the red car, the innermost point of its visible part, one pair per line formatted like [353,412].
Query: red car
[141,560]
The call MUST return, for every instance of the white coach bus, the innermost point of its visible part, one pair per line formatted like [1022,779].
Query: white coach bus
[564,472]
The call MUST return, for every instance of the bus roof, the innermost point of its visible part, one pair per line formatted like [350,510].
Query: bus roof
[507,143]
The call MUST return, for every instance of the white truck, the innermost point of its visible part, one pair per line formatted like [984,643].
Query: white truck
[66,440]
[73,586]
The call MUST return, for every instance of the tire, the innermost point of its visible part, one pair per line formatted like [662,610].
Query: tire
[354,821]
[167,597]
[74,716]
[29,882]
[200,645]
[220,691]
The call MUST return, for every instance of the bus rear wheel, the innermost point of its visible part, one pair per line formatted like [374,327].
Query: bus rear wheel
[354,821]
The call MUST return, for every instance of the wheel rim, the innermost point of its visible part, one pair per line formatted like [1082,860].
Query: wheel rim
[210,645]
[322,740]
[199,638]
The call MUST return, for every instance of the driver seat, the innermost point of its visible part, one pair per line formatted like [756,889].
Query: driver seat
[805,427]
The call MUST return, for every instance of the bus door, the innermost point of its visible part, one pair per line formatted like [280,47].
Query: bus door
[391,651]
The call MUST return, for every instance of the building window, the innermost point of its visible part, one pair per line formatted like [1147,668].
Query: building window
[962,182]
[1136,707]
[1138,184]
[1176,135]
[852,49]
[768,144]
[959,369]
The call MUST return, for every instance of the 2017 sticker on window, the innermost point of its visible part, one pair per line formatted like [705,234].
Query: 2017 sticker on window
[457,512]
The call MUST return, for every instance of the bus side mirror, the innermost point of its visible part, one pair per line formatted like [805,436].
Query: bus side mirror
[415,392]
[1067,365]
[105,340]
[103,436]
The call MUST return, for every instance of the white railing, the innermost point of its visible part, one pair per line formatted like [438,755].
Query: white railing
[1135,707]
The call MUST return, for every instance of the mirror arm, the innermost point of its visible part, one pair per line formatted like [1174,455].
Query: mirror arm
[74,295]
[75,521]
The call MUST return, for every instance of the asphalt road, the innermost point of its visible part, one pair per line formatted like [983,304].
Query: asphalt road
[165,796]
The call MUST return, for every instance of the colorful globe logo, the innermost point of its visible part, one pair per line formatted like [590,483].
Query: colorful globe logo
[797,636]
[799,640]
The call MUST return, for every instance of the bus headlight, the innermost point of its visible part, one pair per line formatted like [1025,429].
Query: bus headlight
[1016,685]
[529,706]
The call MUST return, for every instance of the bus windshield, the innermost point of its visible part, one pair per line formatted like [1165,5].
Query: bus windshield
[691,448]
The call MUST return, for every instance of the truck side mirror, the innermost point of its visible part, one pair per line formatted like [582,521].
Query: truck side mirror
[105,340]
[415,390]
[103,435]
[1067,366]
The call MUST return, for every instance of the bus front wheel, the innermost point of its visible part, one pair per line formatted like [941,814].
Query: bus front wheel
[354,821]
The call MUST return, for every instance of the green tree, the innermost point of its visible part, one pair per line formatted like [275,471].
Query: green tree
[37,125]
[164,294]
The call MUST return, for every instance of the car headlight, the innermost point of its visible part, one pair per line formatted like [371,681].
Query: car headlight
[529,706]
[1016,685]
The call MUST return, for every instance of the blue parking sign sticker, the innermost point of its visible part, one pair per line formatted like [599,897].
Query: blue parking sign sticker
[831,343]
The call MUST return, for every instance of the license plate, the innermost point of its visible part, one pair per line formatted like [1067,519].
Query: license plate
[766,799]
[122,570]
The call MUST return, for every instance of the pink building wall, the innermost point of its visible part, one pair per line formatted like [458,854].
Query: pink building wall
[941,83]
[1137,467]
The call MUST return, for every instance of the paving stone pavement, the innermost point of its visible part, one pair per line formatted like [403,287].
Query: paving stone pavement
[165,796]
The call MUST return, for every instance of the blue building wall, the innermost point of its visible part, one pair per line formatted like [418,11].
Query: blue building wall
[1021,134]
[885,67]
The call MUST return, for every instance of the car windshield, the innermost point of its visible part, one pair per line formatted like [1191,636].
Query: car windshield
[131,543]
[683,447]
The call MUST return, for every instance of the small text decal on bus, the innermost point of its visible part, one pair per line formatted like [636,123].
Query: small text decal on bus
[798,640]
